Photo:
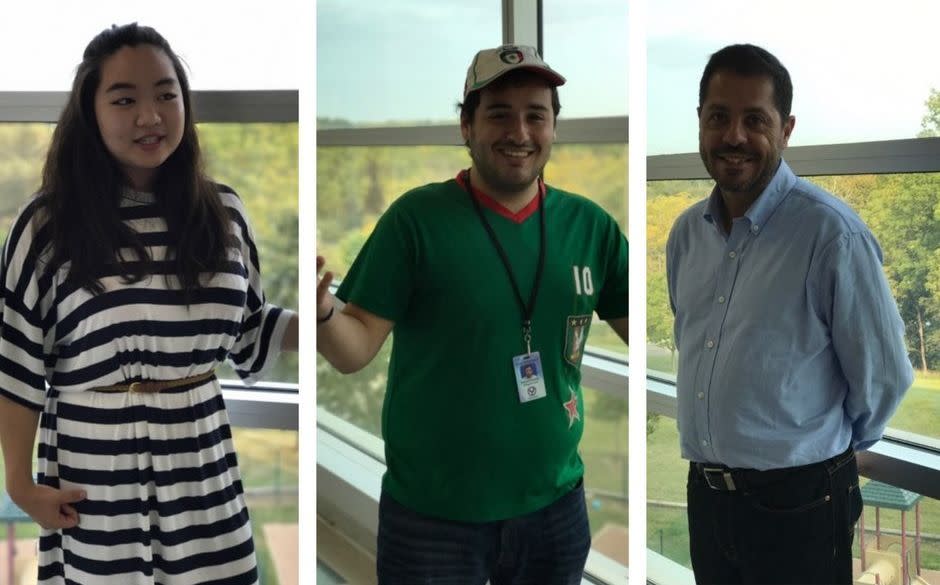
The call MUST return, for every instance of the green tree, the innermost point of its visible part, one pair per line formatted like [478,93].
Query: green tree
[903,213]
[930,123]
[663,208]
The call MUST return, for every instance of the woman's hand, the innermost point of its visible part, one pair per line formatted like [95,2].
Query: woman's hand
[49,507]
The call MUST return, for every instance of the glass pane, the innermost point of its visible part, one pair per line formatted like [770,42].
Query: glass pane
[356,398]
[260,50]
[587,43]
[400,78]
[667,527]
[259,161]
[884,549]
[604,452]
[356,184]
[268,463]
[901,210]
[23,150]
[827,78]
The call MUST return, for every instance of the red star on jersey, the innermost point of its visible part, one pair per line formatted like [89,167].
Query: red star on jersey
[571,407]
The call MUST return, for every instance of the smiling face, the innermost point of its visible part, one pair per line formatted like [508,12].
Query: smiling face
[510,139]
[140,112]
[741,135]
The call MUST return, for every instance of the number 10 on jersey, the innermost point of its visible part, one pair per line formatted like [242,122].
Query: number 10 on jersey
[582,280]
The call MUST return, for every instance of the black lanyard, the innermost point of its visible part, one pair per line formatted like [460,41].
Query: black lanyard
[527,309]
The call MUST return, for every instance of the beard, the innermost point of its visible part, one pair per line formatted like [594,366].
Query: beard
[503,180]
[750,184]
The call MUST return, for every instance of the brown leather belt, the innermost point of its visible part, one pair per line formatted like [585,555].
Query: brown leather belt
[151,386]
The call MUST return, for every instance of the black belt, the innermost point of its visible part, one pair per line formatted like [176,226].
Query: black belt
[734,479]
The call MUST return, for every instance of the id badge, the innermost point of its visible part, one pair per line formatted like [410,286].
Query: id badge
[530,379]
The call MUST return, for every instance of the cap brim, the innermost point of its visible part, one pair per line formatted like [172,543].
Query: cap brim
[553,78]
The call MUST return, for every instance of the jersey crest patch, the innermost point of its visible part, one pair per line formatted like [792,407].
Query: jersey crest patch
[575,337]
[571,408]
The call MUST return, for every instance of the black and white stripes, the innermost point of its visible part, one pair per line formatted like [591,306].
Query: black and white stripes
[165,500]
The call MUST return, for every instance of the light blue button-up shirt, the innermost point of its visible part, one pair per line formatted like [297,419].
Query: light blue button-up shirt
[790,344]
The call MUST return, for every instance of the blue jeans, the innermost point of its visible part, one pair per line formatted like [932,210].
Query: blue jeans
[792,525]
[546,547]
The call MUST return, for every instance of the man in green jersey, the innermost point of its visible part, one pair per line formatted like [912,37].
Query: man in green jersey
[489,281]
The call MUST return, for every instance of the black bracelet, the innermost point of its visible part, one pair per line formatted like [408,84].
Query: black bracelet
[327,318]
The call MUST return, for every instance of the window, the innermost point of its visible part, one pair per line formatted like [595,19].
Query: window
[827,79]
[400,78]
[370,151]
[587,43]
[253,46]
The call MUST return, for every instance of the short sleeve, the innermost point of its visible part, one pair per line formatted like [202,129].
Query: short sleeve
[263,325]
[382,276]
[23,326]
[612,300]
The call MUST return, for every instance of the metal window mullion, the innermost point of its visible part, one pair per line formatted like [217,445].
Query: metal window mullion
[522,22]
[601,130]
[910,155]
[238,106]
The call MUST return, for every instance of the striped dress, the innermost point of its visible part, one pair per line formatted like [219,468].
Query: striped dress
[165,500]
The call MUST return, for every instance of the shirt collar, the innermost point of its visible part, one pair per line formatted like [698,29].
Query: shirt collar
[494,205]
[765,204]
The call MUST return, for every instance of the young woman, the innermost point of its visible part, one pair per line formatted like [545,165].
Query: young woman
[125,281]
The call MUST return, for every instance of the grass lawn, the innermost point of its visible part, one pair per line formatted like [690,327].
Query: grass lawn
[919,411]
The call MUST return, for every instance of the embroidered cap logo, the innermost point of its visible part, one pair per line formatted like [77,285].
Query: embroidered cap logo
[511,56]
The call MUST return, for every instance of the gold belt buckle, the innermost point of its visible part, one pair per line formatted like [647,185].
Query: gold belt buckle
[135,387]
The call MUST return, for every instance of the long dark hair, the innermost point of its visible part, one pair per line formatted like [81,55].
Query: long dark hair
[82,186]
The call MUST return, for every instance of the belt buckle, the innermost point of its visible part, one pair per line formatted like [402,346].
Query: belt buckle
[135,387]
[728,480]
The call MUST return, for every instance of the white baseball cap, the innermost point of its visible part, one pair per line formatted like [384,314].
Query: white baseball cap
[491,64]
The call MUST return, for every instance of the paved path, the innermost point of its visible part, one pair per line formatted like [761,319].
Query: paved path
[282,544]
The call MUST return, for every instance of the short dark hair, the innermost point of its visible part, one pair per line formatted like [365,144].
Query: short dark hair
[751,61]
[515,77]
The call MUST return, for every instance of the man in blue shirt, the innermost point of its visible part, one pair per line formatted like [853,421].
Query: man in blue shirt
[791,348]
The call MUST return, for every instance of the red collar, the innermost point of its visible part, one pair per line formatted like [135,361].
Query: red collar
[494,205]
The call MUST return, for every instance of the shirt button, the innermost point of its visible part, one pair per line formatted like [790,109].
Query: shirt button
[701,395]
[732,254]
[709,344]
[704,443]
[755,228]
[721,299]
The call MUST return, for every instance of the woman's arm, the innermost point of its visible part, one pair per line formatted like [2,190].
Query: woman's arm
[289,341]
[49,507]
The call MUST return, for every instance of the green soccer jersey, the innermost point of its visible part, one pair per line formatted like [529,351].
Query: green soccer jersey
[459,442]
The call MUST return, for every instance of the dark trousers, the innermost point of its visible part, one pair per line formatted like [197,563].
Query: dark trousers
[546,547]
[786,526]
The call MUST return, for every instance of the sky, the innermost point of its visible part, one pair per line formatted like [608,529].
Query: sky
[406,61]
[236,44]
[858,74]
